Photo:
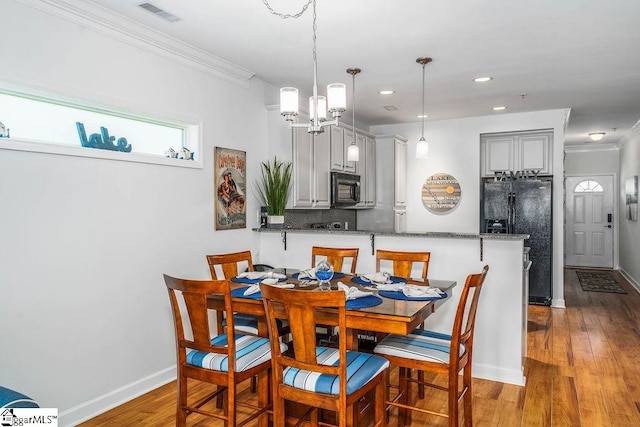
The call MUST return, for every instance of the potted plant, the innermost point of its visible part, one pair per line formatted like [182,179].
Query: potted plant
[273,189]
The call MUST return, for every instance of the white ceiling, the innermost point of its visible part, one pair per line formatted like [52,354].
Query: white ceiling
[577,54]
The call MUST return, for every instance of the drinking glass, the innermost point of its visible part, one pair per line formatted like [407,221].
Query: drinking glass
[324,274]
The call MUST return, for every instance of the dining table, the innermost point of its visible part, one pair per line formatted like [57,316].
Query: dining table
[388,316]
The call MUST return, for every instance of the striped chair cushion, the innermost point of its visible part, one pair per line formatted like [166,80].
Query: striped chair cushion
[250,351]
[361,368]
[249,324]
[418,345]
[244,323]
[13,399]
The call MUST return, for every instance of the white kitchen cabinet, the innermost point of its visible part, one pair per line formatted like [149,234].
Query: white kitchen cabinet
[369,175]
[311,178]
[389,212]
[524,152]
[400,221]
[366,168]
[400,172]
[341,138]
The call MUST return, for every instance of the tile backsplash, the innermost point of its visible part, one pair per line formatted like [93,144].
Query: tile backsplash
[301,218]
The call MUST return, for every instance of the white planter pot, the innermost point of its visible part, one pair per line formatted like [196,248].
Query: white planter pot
[275,221]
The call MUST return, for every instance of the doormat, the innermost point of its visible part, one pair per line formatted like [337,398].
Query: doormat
[599,281]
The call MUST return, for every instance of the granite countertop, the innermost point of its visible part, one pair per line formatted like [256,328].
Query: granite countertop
[436,234]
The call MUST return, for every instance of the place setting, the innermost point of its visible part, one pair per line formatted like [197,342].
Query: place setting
[375,279]
[404,291]
[253,277]
[253,291]
[395,287]
[357,298]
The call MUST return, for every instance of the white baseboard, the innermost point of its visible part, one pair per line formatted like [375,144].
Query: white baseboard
[494,373]
[631,280]
[100,404]
[558,303]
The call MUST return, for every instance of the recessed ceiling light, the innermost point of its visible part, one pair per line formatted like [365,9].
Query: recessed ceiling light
[482,79]
[159,12]
[596,136]
[421,116]
[500,108]
[387,92]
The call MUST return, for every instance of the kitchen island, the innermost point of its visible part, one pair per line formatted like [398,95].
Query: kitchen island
[499,343]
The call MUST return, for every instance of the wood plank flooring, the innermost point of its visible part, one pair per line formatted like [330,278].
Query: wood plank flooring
[582,369]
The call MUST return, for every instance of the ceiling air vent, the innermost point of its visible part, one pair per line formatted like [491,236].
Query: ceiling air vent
[159,12]
[390,108]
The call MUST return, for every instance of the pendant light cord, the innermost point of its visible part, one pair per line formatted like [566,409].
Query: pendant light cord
[315,69]
[423,65]
[353,107]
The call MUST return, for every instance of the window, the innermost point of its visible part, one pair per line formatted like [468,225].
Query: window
[588,186]
[36,123]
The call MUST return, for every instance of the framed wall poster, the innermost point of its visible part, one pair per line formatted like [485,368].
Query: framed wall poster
[631,190]
[230,181]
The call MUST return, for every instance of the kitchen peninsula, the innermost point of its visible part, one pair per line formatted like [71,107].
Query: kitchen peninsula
[500,339]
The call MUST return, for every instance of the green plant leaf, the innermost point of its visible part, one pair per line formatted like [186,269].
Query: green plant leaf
[274,185]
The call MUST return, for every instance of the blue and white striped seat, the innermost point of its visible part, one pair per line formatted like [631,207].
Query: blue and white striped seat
[249,324]
[244,323]
[361,368]
[419,345]
[250,351]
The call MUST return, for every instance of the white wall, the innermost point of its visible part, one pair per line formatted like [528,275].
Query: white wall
[84,242]
[629,231]
[592,162]
[454,148]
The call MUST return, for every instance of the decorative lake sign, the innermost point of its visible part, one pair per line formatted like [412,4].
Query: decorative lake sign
[441,192]
[103,140]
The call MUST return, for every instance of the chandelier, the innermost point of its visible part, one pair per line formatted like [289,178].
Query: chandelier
[335,100]
[422,148]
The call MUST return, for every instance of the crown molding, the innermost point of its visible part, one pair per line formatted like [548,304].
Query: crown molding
[632,135]
[124,29]
[590,147]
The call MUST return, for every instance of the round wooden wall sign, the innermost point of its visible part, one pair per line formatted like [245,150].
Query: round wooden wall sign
[441,192]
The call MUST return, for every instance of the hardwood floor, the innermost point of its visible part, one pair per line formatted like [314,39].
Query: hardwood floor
[582,369]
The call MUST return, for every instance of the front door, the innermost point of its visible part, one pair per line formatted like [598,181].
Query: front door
[589,221]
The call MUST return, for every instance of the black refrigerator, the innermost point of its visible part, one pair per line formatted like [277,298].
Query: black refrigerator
[523,206]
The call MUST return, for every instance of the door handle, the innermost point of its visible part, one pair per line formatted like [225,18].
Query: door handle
[609,226]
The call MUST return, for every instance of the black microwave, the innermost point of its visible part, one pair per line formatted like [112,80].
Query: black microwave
[345,190]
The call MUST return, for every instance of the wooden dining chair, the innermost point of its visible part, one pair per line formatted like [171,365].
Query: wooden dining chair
[230,265]
[320,377]
[335,256]
[434,352]
[403,262]
[219,360]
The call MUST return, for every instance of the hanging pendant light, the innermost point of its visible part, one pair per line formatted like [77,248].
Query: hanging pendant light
[336,92]
[353,152]
[422,147]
